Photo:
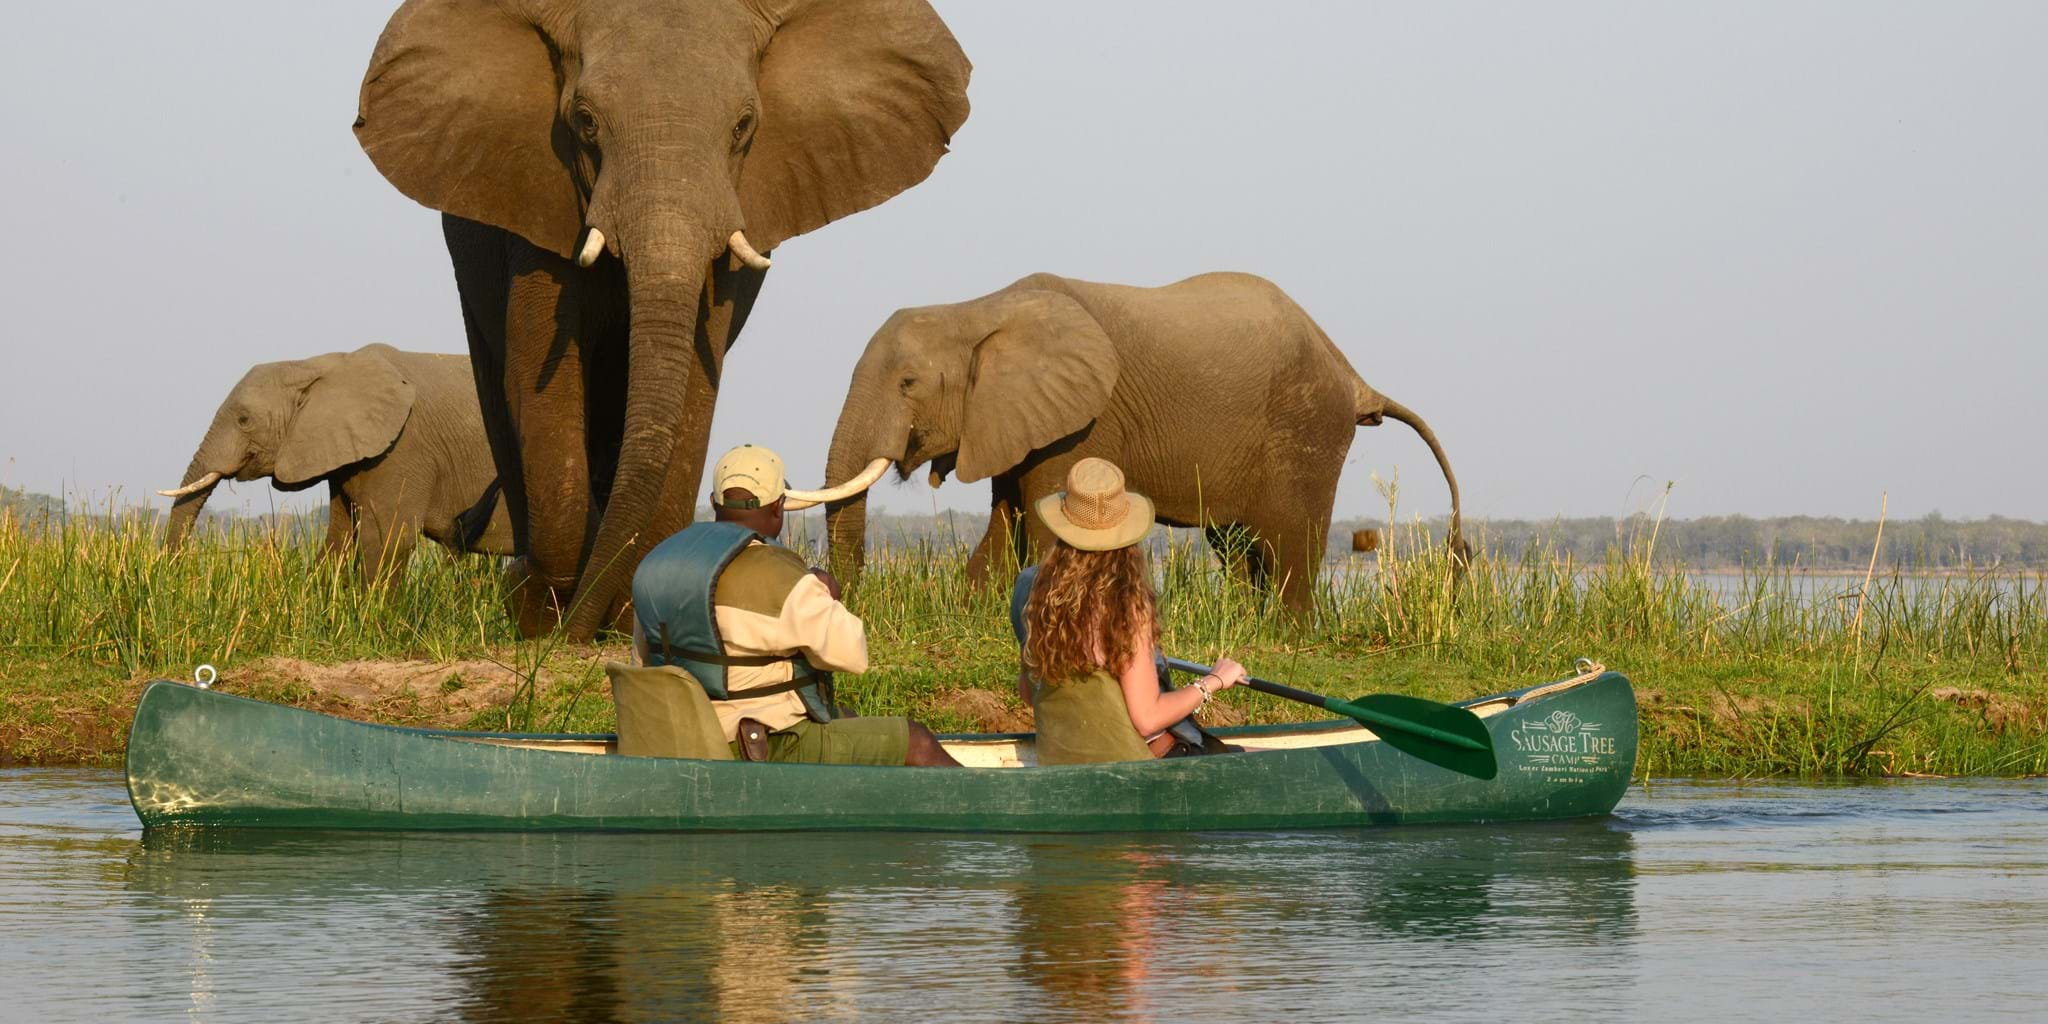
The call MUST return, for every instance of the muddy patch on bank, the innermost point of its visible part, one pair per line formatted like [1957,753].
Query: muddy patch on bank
[2001,713]
[439,694]
[977,710]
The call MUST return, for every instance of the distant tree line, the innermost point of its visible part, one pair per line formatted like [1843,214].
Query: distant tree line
[1932,541]
[1710,542]
[1818,542]
[25,505]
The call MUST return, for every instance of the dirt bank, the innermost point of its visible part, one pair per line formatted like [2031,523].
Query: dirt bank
[51,716]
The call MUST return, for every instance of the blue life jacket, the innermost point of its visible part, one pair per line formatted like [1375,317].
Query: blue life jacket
[673,598]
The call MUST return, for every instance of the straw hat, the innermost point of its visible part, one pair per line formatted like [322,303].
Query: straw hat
[1095,513]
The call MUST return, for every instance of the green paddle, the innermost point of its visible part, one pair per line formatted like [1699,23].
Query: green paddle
[1446,736]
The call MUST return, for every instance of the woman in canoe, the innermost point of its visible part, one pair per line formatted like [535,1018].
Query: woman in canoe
[1092,630]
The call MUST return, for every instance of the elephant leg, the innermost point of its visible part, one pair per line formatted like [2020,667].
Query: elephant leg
[1033,484]
[544,386]
[1238,552]
[340,522]
[482,280]
[387,522]
[1005,546]
[1044,472]
[1291,554]
[386,547]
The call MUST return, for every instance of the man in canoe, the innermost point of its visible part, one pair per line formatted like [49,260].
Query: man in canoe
[762,632]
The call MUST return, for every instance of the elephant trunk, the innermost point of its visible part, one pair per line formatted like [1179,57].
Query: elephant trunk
[858,442]
[846,520]
[665,277]
[1456,539]
[218,457]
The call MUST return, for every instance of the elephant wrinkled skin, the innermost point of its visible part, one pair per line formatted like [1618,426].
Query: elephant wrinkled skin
[1217,395]
[396,436]
[606,173]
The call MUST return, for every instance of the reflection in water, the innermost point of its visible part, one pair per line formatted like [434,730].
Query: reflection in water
[1694,902]
[1089,922]
[665,935]
[767,927]
[1134,927]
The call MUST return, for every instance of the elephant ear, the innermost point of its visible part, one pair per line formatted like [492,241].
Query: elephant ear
[458,110]
[1046,371]
[353,409]
[859,99]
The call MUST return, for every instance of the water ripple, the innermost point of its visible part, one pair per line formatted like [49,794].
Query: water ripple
[1695,900]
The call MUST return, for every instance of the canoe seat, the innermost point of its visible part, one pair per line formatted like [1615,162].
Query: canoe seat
[663,712]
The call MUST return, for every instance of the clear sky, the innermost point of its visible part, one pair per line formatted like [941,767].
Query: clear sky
[1789,255]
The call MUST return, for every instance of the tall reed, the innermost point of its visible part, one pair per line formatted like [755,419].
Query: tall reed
[1768,671]
[102,589]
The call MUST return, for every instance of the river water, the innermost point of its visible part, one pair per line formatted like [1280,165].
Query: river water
[1922,901]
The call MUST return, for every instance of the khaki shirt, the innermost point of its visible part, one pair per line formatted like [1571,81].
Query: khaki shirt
[768,602]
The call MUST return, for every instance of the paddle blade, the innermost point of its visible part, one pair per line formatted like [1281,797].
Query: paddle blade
[1405,723]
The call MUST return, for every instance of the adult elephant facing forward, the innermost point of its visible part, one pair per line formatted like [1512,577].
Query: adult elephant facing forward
[1218,397]
[678,137]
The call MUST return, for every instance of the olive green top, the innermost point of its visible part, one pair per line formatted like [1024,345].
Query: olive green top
[759,579]
[1085,721]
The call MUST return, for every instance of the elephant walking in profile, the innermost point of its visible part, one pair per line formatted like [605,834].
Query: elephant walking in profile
[397,437]
[610,176]
[1217,396]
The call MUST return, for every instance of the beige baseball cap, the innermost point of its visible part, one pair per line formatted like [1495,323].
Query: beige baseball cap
[756,469]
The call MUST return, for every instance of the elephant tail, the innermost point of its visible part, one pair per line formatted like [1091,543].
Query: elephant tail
[1373,408]
[471,524]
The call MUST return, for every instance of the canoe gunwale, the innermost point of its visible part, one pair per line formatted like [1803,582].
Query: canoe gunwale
[1511,698]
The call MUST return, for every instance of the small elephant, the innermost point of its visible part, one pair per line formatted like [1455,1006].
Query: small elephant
[1217,395]
[397,436]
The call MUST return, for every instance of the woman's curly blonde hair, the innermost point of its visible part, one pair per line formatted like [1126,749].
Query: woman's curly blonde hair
[1086,611]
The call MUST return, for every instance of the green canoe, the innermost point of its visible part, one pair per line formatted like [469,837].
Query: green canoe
[202,758]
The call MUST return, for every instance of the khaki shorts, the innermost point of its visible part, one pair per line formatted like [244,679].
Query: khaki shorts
[884,741]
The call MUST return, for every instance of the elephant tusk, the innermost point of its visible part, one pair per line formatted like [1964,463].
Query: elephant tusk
[866,479]
[194,487]
[593,245]
[746,253]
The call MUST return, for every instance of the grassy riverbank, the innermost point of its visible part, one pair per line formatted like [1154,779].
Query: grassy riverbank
[1894,676]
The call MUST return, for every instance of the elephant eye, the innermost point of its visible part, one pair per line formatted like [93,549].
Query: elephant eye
[586,125]
[742,127]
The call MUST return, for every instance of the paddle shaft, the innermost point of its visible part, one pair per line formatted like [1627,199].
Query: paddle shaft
[1341,707]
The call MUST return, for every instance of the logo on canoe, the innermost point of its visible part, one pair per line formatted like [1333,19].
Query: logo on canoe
[1562,743]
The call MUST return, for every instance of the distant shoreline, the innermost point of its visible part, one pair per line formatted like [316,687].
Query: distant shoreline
[1931,545]
[1881,572]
